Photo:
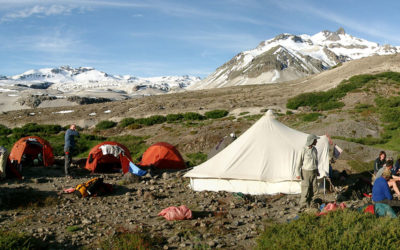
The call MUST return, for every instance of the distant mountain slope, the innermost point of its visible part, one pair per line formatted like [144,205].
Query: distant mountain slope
[68,79]
[288,57]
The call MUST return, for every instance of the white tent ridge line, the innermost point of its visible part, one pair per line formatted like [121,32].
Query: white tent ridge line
[261,161]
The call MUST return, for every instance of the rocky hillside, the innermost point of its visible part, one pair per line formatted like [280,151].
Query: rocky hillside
[288,57]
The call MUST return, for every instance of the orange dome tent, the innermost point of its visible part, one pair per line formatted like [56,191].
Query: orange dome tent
[31,147]
[164,156]
[108,156]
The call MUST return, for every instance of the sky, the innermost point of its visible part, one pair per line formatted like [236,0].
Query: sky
[147,38]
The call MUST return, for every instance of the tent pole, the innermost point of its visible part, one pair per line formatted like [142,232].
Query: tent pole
[324,186]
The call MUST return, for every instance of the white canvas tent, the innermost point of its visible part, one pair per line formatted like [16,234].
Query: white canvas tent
[261,161]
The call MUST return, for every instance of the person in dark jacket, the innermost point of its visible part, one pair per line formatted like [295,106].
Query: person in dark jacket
[380,161]
[69,146]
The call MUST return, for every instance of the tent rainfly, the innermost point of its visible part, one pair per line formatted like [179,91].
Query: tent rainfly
[261,161]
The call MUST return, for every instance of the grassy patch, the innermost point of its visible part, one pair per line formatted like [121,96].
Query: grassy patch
[363,140]
[17,240]
[330,99]
[72,229]
[360,166]
[27,198]
[196,158]
[244,113]
[336,230]
[310,117]
[253,117]
[124,239]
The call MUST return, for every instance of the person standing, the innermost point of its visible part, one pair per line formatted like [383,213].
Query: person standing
[3,162]
[69,147]
[307,171]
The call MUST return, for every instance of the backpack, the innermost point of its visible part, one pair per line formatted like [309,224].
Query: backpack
[89,188]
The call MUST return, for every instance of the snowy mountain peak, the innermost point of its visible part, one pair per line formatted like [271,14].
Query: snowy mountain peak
[69,79]
[288,57]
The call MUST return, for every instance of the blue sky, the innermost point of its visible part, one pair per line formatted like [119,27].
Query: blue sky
[171,37]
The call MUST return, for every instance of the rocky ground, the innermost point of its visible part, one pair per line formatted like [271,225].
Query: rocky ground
[36,205]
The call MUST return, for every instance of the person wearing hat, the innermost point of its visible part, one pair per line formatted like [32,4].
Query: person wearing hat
[307,171]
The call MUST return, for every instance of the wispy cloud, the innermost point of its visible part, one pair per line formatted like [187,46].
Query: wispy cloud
[38,10]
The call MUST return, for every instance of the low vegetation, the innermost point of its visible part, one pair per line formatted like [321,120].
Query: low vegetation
[17,240]
[331,99]
[125,239]
[105,125]
[336,230]
[196,158]
[171,118]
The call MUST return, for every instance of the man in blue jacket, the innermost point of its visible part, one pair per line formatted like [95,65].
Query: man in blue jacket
[381,191]
[69,146]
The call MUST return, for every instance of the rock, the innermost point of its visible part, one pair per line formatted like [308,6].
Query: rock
[86,221]
[129,178]
[147,196]
[211,243]
[173,239]
[165,176]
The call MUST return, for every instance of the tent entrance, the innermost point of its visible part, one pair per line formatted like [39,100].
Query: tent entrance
[108,164]
[33,154]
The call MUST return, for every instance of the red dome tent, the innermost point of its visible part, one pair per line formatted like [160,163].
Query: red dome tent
[108,156]
[164,156]
[30,147]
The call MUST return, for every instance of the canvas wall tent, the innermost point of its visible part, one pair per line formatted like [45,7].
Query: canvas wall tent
[30,148]
[164,156]
[108,157]
[261,161]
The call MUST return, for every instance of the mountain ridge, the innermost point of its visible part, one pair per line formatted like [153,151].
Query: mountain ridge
[289,57]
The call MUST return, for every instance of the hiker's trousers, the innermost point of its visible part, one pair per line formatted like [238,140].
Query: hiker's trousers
[68,160]
[308,186]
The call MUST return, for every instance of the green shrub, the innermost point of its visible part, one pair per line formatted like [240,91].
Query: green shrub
[17,240]
[215,114]
[174,117]
[105,125]
[336,230]
[310,117]
[135,126]
[149,121]
[4,130]
[126,122]
[192,116]
[36,129]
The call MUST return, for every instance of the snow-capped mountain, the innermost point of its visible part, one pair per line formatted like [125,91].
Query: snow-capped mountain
[68,79]
[288,57]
